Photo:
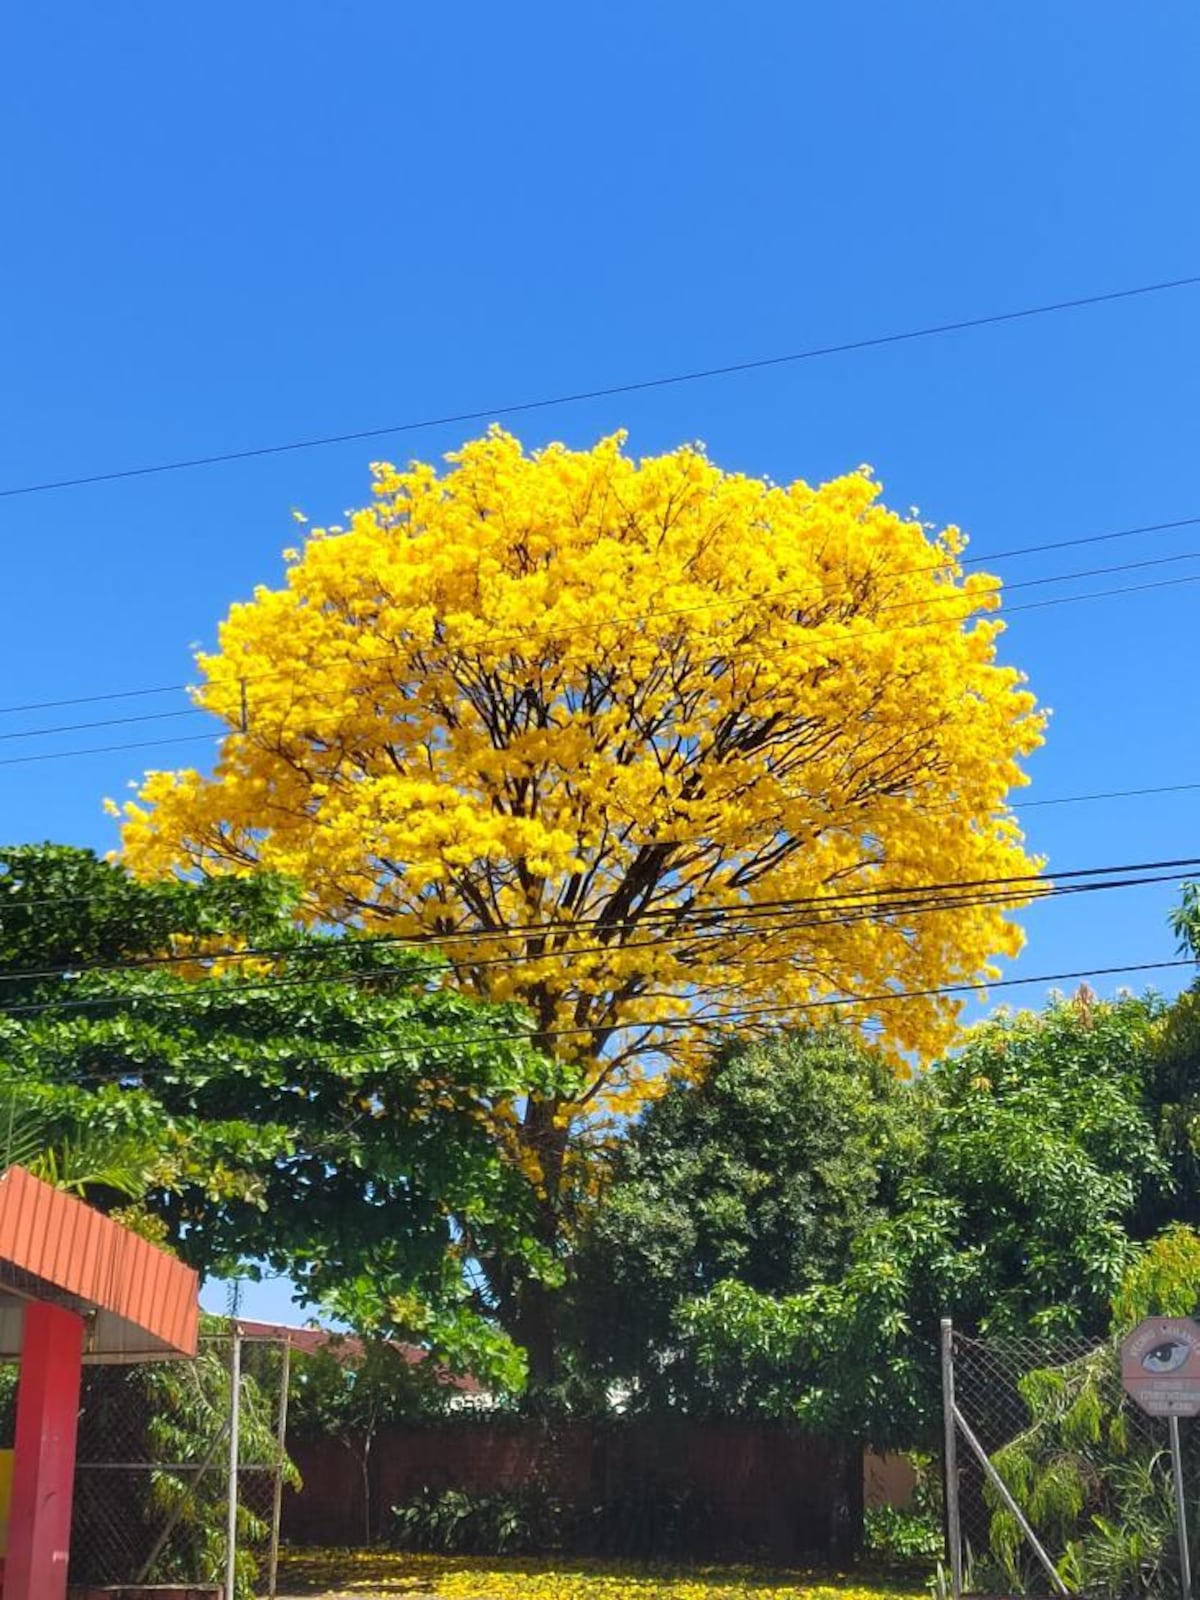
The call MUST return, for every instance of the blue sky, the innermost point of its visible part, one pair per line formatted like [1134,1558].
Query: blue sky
[243,225]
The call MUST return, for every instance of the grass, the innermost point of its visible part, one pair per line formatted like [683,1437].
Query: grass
[380,1575]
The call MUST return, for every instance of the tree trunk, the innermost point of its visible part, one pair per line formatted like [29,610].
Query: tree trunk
[534,1329]
[365,1465]
[533,1319]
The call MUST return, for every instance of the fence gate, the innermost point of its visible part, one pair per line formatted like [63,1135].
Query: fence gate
[1056,1482]
[180,1468]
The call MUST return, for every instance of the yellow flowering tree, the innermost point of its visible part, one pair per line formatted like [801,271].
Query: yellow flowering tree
[648,746]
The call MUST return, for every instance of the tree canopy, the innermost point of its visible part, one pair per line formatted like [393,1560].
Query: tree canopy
[315,1102]
[766,1171]
[783,1237]
[652,748]
[632,742]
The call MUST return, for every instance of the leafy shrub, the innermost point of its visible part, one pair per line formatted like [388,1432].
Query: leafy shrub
[662,1523]
[520,1521]
[902,1538]
[530,1520]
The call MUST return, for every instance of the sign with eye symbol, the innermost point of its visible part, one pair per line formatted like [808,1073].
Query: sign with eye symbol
[1160,1366]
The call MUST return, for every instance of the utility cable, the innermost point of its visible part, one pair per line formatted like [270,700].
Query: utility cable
[741,655]
[869,892]
[686,944]
[823,1003]
[605,392]
[491,641]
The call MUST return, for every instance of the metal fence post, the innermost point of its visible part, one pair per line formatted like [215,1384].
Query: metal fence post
[175,1516]
[235,1405]
[950,1462]
[1014,1510]
[280,1458]
[1185,1555]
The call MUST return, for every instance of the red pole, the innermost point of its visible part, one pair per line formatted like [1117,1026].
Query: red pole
[39,1517]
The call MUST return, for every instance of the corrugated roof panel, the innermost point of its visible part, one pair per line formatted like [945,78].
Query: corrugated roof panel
[152,1300]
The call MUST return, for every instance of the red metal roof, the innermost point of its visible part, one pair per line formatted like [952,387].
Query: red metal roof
[349,1347]
[140,1301]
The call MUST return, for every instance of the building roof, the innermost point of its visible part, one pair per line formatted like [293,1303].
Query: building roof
[140,1303]
[348,1347]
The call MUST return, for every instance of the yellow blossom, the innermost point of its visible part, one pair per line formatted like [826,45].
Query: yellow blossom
[371,1575]
[623,737]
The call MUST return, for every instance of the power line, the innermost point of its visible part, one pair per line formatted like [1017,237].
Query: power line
[785,903]
[626,621]
[1016,805]
[96,699]
[109,749]
[732,922]
[1103,794]
[889,997]
[513,408]
[733,925]
[10,902]
[743,655]
[104,722]
[14,904]
[740,1014]
[890,605]
[715,923]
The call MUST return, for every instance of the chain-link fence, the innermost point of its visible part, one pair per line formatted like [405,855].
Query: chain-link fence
[1057,1482]
[160,1444]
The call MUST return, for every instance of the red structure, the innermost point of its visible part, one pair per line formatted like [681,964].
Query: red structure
[75,1287]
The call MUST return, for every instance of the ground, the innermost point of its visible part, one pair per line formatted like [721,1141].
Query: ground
[369,1575]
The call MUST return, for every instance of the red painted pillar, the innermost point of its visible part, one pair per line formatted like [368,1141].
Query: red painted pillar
[39,1516]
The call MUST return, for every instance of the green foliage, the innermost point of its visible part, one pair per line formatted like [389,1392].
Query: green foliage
[1185,920]
[764,1172]
[189,1405]
[350,1388]
[1090,1472]
[901,1538]
[731,1206]
[659,1522]
[1172,1097]
[167,1504]
[911,1536]
[782,1239]
[62,907]
[1098,1492]
[1040,1139]
[1163,1280]
[838,1359]
[528,1519]
[323,1108]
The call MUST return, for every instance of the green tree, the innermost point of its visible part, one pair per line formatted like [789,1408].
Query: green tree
[794,1257]
[763,1172]
[322,1105]
[350,1388]
[1185,920]
[1041,1139]
[1173,1090]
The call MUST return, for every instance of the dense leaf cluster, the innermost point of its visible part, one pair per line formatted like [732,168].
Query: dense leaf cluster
[783,1238]
[322,1107]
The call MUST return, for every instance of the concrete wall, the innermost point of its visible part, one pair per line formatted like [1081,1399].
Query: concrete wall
[888,1480]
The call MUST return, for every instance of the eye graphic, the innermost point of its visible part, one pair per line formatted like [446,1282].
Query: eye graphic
[1166,1357]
